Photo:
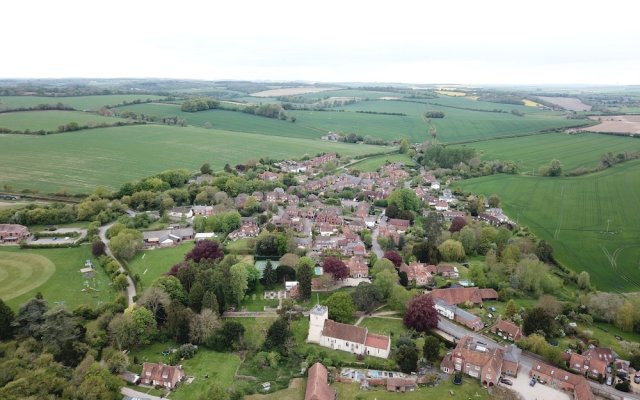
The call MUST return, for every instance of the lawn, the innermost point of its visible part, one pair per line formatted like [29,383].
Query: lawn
[573,151]
[470,389]
[51,120]
[240,246]
[592,221]
[256,302]
[77,102]
[220,367]
[81,161]
[255,329]
[374,163]
[295,391]
[150,264]
[65,284]
[385,326]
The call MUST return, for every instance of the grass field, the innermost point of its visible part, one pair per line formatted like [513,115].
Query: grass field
[81,161]
[295,391]
[470,389]
[592,221]
[373,163]
[64,283]
[573,151]
[50,120]
[150,264]
[77,102]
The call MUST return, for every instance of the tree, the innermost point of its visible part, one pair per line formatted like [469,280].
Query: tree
[544,251]
[29,318]
[584,280]
[340,306]
[99,384]
[404,199]
[550,304]
[451,250]
[253,277]
[432,227]
[305,275]
[58,328]
[494,201]
[367,297]
[195,297]
[404,278]
[290,260]
[277,334]
[554,168]
[457,224]
[625,317]
[385,281]
[210,301]
[537,320]
[203,325]
[269,277]
[206,168]
[335,267]
[404,146]
[421,315]
[431,348]
[426,252]
[205,250]
[510,310]
[125,244]
[238,282]
[97,248]
[6,318]
[227,338]
[383,264]
[398,298]
[156,300]
[116,360]
[407,355]
[394,257]
[173,287]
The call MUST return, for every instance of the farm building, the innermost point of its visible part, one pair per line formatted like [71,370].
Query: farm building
[13,233]
[317,384]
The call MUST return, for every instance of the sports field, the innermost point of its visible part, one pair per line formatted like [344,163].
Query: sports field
[53,272]
[50,120]
[592,221]
[573,151]
[81,161]
[77,102]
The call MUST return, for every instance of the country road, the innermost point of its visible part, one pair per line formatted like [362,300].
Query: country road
[131,287]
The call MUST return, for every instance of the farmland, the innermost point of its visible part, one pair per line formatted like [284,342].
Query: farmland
[568,103]
[616,124]
[81,161]
[51,120]
[53,272]
[77,102]
[532,152]
[291,91]
[591,220]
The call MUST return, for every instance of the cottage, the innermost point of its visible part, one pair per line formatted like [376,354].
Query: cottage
[417,273]
[507,330]
[358,267]
[401,225]
[476,360]
[338,336]
[563,380]
[592,363]
[181,212]
[161,375]
[203,211]
[511,360]
[13,233]
[448,271]
[317,384]
[268,176]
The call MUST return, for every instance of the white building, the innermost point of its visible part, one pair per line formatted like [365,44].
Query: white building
[445,309]
[344,337]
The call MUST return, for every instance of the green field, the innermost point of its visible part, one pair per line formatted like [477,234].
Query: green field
[592,221]
[470,389]
[150,264]
[50,120]
[77,102]
[573,151]
[81,161]
[373,163]
[53,272]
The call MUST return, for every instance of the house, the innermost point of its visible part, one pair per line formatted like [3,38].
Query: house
[450,215]
[318,384]
[167,237]
[344,337]
[358,267]
[417,273]
[13,233]
[248,228]
[325,242]
[601,353]
[442,205]
[181,212]
[448,271]
[445,309]
[588,364]
[268,176]
[203,211]
[461,295]
[475,359]
[467,319]
[161,375]
[326,230]
[507,330]
[562,380]
[511,360]
[401,225]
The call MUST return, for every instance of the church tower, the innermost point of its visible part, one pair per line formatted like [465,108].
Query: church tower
[317,316]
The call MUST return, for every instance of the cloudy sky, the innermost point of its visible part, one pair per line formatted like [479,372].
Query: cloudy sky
[469,42]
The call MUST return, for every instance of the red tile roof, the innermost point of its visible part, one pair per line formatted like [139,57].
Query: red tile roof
[317,384]
[377,341]
[346,332]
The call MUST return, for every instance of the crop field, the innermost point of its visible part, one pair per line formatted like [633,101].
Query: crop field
[616,123]
[53,272]
[150,264]
[77,102]
[228,120]
[373,163]
[81,161]
[294,91]
[592,221]
[573,151]
[50,120]
[568,103]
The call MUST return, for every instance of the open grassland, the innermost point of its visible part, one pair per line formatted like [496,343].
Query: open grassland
[573,151]
[470,389]
[50,120]
[616,124]
[568,103]
[53,272]
[77,102]
[150,264]
[227,120]
[592,221]
[81,161]
[373,163]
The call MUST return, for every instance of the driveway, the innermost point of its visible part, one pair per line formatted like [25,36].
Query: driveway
[537,392]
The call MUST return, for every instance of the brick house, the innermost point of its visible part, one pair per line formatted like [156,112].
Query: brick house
[417,273]
[318,384]
[476,360]
[161,375]
[358,267]
[560,379]
[507,330]
[13,233]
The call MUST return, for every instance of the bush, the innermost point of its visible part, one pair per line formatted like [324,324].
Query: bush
[187,350]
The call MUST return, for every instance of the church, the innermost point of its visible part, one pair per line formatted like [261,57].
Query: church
[344,337]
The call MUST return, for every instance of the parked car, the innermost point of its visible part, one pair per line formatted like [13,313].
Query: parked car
[609,380]
[533,382]
[541,381]
[492,309]
[506,381]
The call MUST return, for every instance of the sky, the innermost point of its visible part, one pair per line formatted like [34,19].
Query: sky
[452,41]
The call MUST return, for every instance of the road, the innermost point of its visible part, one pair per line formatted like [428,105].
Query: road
[375,246]
[131,287]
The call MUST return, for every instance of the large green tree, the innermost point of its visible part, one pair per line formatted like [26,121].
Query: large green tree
[305,275]
[404,199]
[341,306]
[6,318]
